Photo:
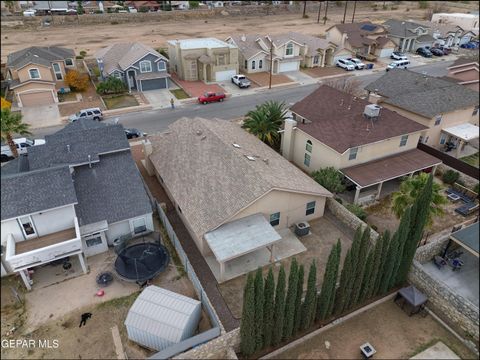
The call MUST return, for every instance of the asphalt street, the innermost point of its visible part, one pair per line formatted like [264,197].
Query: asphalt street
[151,121]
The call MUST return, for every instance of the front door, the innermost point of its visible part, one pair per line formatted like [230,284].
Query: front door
[132,83]
[28,227]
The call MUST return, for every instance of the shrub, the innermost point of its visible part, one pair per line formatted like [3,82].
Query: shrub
[450,176]
[76,80]
[384,7]
[394,8]
[375,9]
[357,211]
[329,178]
[79,57]
[83,53]
[476,188]
[305,16]
[143,9]
[194,4]
[111,85]
[163,51]
[114,22]
[338,3]
[407,9]
[374,227]
[423,4]
[340,201]
[96,71]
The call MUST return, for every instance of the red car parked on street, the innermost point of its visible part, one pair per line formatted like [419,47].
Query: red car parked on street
[210,97]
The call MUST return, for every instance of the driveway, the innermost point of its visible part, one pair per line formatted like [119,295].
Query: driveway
[159,99]
[41,116]
[300,77]
[263,78]
[234,90]
[196,88]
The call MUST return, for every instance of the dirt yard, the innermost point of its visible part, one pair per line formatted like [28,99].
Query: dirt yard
[393,334]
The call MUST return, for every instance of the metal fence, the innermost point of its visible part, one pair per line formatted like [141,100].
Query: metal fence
[202,295]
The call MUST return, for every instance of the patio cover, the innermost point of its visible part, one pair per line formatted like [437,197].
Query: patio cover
[467,238]
[465,132]
[391,167]
[413,296]
[241,237]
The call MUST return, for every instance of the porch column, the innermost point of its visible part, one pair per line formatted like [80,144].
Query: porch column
[82,263]
[205,72]
[357,194]
[322,63]
[402,44]
[410,175]
[379,190]
[459,148]
[26,279]
[222,270]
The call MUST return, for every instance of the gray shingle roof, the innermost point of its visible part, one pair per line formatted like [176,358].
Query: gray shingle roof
[422,94]
[401,28]
[38,55]
[212,180]
[30,192]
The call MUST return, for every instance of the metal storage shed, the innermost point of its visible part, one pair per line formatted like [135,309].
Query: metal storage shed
[160,318]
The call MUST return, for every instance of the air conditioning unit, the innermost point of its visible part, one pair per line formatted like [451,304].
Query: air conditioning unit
[372,111]
[302,228]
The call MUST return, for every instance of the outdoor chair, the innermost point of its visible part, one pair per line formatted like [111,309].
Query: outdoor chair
[467,208]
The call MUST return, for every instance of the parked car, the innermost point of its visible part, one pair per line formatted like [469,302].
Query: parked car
[30,12]
[211,97]
[446,50]
[92,114]
[22,145]
[424,52]
[345,64]
[399,64]
[132,133]
[241,81]
[470,45]
[397,55]
[359,65]
[436,51]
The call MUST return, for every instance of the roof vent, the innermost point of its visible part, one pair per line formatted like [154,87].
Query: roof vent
[199,132]
[68,148]
[251,158]
[372,111]
[265,161]
[203,137]
[244,38]
[35,55]
[236,146]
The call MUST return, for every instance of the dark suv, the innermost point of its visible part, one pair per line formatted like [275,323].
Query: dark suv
[424,52]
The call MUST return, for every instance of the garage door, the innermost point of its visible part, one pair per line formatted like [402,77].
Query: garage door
[289,66]
[386,52]
[224,75]
[37,99]
[154,84]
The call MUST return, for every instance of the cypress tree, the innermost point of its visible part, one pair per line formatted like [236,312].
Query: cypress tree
[279,308]
[309,305]
[383,261]
[268,308]
[335,271]
[377,260]
[402,237]
[290,300]
[392,255]
[367,277]
[359,271]
[298,300]
[326,298]
[247,324]
[259,303]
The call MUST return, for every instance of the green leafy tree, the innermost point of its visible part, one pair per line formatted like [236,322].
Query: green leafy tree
[402,237]
[268,309]
[259,304]
[111,85]
[326,298]
[309,304]
[80,10]
[410,190]
[279,313]
[193,4]
[359,270]
[330,178]
[298,300]
[247,324]
[290,300]
[11,123]
[450,176]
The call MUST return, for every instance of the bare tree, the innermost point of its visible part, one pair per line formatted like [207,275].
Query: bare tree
[326,11]
[347,85]
[345,12]
[304,10]
[354,10]
[319,11]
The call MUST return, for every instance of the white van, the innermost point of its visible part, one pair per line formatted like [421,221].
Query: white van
[400,64]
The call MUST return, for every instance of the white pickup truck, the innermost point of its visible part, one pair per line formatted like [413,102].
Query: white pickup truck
[22,145]
[241,81]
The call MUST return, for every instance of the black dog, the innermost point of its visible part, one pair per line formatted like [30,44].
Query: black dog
[85,317]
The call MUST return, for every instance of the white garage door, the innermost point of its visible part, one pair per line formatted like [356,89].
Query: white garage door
[289,66]
[224,75]
[37,99]
[386,52]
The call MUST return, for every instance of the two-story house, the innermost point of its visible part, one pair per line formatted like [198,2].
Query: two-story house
[36,74]
[368,144]
[289,51]
[140,67]
[448,110]
[71,197]
[465,71]
[205,59]
[408,35]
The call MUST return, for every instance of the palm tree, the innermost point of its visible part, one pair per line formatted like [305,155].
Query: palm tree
[11,123]
[265,121]
[410,189]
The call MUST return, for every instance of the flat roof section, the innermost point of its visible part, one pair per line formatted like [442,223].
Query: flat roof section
[467,238]
[389,168]
[241,237]
[465,131]
[209,43]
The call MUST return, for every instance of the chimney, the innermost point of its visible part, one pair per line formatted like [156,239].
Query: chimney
[374,98]
[288,138]
[147,151]
[244,38]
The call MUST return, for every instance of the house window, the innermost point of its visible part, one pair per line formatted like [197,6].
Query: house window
[275,219]
[117,75]
[221,60]
[161,66]
[260,64]
[145,66]
[310,208]
[34,74]
[139,225]
[193,69]
[438,120]
[306,160]
[353,153]
[27,226]
[253,64]
[68,62]
[246,64]
[57,71]
[443,138]
[475,111]
[289,49]
[95,240]
[316,58]
[308,146]
[403,140]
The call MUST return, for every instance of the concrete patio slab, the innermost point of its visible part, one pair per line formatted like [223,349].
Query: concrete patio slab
[437,351]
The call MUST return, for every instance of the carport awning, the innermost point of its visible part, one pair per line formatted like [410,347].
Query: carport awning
[467,238]
[241,237]
[389,168]
[465,132]
[152,75]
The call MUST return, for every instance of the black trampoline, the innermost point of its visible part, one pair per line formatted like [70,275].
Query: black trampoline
[141,262]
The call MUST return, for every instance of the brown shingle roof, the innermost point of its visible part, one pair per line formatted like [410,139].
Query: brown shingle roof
[337,120]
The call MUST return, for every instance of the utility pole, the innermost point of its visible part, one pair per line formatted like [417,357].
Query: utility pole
[50,10]
[271,64]
[319,11]
[326,11]
[354,9]
[304,9]
[345,12]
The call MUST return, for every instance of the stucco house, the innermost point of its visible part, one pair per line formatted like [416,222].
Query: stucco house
[448,110]
[206,59]
[290,51]
[408,35]
[235,195]
[465,72]
[71,197]
[368,144]
[465,21]
[140,67]
[362,38]
[36,74]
